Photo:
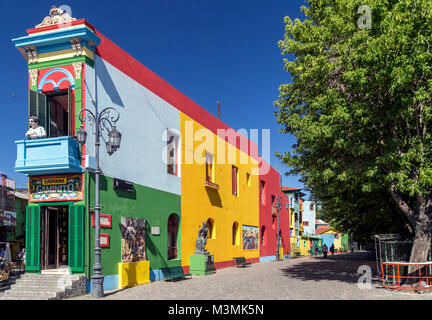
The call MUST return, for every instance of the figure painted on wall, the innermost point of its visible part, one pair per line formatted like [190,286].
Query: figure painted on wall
[36,131]
[133,239]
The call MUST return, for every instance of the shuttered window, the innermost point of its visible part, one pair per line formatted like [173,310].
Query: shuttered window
[38,107]
[234,180]
[76,238]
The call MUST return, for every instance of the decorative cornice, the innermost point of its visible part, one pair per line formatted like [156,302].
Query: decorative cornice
[33,76]
[76,46]
[32,56]
[56,16]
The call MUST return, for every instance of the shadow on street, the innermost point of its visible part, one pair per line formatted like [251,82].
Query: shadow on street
[340,267]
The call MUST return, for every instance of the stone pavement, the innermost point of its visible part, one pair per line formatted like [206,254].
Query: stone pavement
[334,278]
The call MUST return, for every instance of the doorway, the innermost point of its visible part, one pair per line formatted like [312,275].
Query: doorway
[54,237]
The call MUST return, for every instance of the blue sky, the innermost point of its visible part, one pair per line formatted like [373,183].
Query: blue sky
[210,50]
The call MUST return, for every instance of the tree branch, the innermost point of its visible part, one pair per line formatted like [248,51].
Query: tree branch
[402,205]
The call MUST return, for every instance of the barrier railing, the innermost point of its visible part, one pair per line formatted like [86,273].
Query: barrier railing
[395,275]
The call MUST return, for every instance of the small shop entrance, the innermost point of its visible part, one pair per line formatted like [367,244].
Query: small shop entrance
[54,236]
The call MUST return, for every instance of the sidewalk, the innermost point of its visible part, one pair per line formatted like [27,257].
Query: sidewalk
[306,278]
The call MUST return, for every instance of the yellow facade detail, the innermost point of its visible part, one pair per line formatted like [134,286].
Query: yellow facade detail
[200,202]
[133,273]
[62,54]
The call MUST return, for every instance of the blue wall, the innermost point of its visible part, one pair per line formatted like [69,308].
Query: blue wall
[328,240]
[144,119]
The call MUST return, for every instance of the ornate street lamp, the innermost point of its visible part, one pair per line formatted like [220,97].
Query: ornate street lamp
[100,121]
[278,206]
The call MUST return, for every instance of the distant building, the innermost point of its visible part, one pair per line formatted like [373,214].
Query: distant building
[13,204]
[309,217]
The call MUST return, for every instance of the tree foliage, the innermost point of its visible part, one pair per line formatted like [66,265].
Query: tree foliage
[359,105]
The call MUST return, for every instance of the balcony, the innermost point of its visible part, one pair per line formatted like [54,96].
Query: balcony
[58,155]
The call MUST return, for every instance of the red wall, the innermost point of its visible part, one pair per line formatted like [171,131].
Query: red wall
[272,188]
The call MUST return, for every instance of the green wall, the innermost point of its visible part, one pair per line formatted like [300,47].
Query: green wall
[144,203]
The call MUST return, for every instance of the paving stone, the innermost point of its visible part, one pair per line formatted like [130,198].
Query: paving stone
[304,278]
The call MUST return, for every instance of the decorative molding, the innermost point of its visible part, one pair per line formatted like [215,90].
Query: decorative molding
[78,69]
[33,76]
[32,56]
[76,46]
[56,16]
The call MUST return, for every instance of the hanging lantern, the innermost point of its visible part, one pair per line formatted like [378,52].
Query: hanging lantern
[81,135]
[114,138]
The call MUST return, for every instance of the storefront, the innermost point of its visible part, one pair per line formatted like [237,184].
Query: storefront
[55,223]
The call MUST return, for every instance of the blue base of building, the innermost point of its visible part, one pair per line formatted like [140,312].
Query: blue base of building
[110,282]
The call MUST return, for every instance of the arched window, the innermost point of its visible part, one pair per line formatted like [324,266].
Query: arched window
[263,236]
[172,236]
[211,229]
[235,234]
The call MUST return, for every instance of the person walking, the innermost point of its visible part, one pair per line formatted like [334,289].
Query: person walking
[324,250]
[332,249]
[316,251]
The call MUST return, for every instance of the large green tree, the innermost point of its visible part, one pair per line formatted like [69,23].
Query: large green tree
[359,104]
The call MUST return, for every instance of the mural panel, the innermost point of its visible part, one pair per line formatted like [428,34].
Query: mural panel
[250,237]
[133,239]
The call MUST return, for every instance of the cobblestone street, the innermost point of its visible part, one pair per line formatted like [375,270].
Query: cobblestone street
[334,278]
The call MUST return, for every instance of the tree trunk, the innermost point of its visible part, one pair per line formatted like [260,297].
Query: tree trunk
[420,249]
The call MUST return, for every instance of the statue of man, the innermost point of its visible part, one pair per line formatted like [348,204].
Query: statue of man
[202,238]
[36,131]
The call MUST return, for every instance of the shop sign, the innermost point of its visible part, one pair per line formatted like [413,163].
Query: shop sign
[68,187]
[8,218]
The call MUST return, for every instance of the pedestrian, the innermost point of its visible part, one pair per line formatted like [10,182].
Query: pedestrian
[324,250]
[332,249]
[316,251]
[22,255]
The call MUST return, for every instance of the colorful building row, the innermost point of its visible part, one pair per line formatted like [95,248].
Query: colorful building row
[177,167]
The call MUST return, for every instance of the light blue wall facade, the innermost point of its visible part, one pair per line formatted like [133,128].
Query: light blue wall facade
[144,120]
[309,215]
[328,240]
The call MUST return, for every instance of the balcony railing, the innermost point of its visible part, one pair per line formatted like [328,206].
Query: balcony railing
[58,155]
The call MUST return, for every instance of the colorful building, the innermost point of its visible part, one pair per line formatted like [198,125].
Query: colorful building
[177,167]
[296,219]
[332,236]
[274,216]
[13,204]
[309,217]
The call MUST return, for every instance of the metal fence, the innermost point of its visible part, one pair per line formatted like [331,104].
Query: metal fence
[390,248]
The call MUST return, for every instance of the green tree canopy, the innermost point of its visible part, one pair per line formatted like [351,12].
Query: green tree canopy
[359,105]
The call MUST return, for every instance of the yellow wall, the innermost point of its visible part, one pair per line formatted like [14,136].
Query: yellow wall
[304,246]
[133,273]
[200,203]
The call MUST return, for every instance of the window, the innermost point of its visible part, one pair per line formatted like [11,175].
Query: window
[336,236]
[234,179]
[306,223]
[311,207]
[172,151]
[209,167]
[172,237]
[54,111]
[248,179]
[273,201]
[235,234]
[211,229]
[263,199]
[263,236]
